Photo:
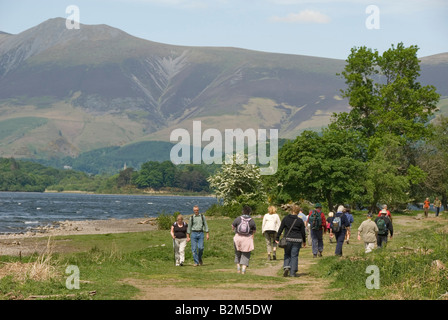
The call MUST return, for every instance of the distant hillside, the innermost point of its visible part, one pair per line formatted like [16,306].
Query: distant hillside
[67,92]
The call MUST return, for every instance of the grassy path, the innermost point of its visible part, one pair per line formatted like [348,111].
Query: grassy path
[139,265]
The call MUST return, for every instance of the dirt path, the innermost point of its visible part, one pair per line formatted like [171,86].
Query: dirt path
[311,288]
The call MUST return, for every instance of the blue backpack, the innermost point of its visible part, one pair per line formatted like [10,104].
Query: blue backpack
[336,225]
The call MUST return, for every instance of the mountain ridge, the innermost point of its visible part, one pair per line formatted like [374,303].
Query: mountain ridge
[99,87]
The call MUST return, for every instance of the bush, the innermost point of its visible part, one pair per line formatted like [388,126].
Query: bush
[165,220]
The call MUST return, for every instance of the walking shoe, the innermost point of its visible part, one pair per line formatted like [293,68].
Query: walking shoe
[314,255]
[274,257]
[320,253]
[269,256]
[195,265]
[285,272]
[200,262]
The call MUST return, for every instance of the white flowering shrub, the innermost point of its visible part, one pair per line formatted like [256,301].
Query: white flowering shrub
[238,183]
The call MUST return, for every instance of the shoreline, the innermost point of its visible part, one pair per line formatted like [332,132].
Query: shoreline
[28,243]
[87,227]
[168,194]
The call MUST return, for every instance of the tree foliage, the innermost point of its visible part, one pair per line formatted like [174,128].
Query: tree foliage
[238,183]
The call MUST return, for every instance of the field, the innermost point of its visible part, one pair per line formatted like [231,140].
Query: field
[140,266]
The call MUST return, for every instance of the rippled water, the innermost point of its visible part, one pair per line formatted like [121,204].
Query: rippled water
[22,211]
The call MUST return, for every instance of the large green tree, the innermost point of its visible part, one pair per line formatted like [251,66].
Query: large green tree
[388,103]
[321,166]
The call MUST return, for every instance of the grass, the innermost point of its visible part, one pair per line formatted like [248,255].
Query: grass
[106,261]
[406,266]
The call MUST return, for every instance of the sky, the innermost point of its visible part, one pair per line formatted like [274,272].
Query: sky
[322,28]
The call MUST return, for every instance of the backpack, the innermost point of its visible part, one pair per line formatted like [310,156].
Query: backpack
[336,225]
[243,227]
[316,221]
[382,226]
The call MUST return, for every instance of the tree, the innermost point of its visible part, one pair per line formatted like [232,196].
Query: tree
[238,183]
[125,177]
[321,166]
[433,159]
[385,96]
[388,104]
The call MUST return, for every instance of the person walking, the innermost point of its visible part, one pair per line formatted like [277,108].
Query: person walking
[387,214]
[294,229]
[368,231]
[317,223]
[437,205]
[179,235]
[350,218]
[329,221]
[195,232]
[426,205]
[269,227]
[384,227]
[243,241]
[339,227]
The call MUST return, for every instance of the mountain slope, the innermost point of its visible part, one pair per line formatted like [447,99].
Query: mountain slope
[73,91]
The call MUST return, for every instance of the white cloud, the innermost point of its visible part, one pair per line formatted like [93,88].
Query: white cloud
[305,16]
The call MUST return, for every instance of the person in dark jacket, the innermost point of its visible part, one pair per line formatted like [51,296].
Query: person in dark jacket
[317,242]
[382,234]
[340,235]
[295,238]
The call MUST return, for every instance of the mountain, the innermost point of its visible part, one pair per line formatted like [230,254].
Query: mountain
[64,91]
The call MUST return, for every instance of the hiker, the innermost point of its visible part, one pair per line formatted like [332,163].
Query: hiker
[317,223]
[179,235]
[426,205]
[387,214]
[368,231]
[243,241]
[350,218]
[339,227]
[301,215]
[271,223]
[295,236]
[329,220]
[384,227]
[437,205]
[195,232]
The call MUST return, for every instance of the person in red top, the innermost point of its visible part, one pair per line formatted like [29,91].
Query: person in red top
[387,212]
[426,205]
[317,243]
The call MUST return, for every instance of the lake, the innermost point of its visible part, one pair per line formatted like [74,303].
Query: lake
[23,211]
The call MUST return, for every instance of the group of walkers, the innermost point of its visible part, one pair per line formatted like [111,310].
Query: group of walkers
[427,204]
[293,230]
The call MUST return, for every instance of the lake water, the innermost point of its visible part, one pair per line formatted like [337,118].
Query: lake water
[22,211]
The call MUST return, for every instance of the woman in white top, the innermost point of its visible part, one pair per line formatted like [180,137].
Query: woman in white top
[271,224]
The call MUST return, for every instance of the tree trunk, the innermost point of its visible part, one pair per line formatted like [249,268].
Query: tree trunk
[444,201]
[329,200]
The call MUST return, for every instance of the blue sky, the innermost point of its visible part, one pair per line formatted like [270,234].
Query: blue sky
[323,28]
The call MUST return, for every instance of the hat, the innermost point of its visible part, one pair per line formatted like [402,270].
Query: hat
[318,205]
[383,211]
